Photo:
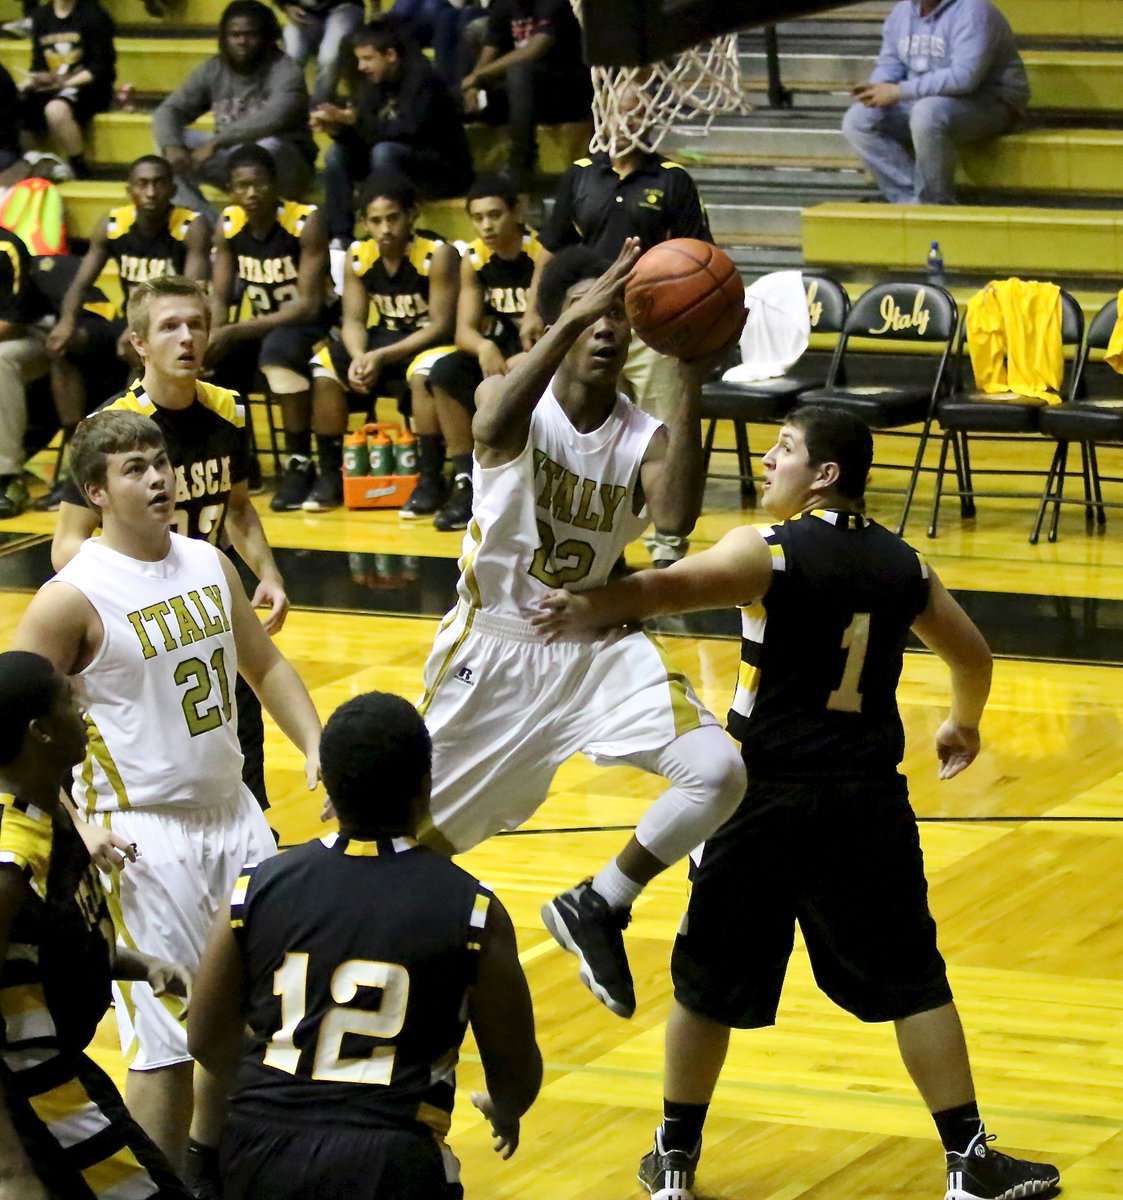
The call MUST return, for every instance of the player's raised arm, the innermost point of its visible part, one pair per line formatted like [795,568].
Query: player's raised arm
[504,403]
[736,571]
[951,635]
[502,1022]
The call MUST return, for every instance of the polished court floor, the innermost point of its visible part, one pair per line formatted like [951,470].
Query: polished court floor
[1024,853]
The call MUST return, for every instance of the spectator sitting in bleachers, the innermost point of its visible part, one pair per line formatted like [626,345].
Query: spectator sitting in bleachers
[399,302]
[534,48]
[320,28]
[403,120]
[440,24]
[948,73]
[23,358]
[73,66]
[145,238]
[495,276]
[257,94]
[274,253]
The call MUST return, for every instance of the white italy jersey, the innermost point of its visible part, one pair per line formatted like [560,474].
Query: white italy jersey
[159,694]
[558,515]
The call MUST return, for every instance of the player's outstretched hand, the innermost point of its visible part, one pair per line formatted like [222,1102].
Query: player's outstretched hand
[504,1129]
[108,850]
[273,595]
[609,288]
[562,612]
[170,979]
[956,746]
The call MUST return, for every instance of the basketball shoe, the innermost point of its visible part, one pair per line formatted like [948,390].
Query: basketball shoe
[980,1173]
[669,1174]
[583,923]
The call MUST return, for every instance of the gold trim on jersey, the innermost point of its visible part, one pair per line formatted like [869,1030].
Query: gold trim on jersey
[364,253]
[436,1118]
[25,841]
[685,712]
[13,254]
[221,401]
[291,216]
[478,254]
[120,220]
[97,751]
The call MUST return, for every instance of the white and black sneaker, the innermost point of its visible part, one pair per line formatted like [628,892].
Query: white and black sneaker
[980,1173]
[669,1174]
[325,494]
[296,483]
[583,923]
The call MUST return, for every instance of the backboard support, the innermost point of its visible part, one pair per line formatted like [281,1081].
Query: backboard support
[634,33]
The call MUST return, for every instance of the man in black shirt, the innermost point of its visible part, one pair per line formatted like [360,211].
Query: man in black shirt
[23,358]
[403,121]
[825,835]
[534,47]
[600,201]
[73,66]
[356,961]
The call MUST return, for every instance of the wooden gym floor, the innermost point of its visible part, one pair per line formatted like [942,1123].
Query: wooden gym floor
[1024,854]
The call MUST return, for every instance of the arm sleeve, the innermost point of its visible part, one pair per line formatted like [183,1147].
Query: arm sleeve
[287,104]
[560,228]
[688,215]
[99,54]
[889,67]
[186,104]
[972,53]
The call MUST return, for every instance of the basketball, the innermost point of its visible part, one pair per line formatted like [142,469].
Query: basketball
[685,298]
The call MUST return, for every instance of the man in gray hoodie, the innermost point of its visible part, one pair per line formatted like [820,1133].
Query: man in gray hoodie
[948,73]
[257,94]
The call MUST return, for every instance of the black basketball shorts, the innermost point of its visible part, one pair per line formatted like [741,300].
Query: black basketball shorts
[842,859]
[268,1160]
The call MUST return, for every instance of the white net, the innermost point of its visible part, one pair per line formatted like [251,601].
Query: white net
[635,107]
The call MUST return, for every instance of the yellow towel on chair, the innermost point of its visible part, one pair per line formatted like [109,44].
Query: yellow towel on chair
[1113,356]
[1014,339]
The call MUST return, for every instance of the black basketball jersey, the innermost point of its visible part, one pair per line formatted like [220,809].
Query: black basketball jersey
[399,303]
[358,956]
[139,257]
[268,267]
[505,283]
[822,653]
[207,447]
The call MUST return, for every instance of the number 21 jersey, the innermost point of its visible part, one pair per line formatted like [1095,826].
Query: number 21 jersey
[159,692]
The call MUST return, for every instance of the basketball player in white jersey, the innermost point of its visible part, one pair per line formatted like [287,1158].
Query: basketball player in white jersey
[566,473]
[153,627]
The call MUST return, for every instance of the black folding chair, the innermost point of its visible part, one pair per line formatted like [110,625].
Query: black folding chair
[994,419]
[1092,417]
[768,401]
[893,312]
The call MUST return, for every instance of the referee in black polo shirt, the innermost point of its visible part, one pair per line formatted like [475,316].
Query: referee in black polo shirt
[599,202]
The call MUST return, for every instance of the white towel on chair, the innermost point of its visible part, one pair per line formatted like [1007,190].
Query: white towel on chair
[777,330]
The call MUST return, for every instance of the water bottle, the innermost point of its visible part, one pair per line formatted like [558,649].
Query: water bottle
[381,455]
[934,264]
[405,454]
[356,458]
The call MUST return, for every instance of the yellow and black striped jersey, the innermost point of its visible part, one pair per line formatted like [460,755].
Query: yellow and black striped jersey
[374,944]
[208,448]
[505,283]
[821,653]
[268,268]
[139,257]
[399,303]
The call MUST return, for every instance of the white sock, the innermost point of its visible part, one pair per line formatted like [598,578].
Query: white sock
[617,890]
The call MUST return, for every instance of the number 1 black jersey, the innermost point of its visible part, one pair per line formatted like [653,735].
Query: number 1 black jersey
[358,958]
[822,653]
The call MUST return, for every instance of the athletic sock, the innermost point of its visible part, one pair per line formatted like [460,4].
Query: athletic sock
[299,443]
[958,1126]
[329,453]
[461,464]
[613,886]
[430,454]
[201,1171]
[682,1125]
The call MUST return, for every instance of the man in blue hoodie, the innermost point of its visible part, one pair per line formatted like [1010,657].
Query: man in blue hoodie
[948,73]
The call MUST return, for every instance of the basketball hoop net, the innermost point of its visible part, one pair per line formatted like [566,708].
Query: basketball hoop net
[635,107]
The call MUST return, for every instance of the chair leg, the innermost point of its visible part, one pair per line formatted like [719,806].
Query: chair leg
[967,494]
[744,464]
[708,447]
[1058,498]
[274,442]
[1046,494]
[945,442]
[1093,469]
[915,476]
